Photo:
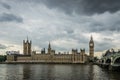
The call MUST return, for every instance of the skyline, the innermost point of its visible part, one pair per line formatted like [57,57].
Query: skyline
[66,24]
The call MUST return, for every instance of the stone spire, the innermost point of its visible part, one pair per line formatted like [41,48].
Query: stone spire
[27,39]
[49,46]
[91,39]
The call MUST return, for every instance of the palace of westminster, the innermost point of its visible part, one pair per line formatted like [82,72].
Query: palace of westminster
[51,57]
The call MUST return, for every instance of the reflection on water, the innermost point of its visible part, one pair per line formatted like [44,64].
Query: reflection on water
[26,70]
[55,72]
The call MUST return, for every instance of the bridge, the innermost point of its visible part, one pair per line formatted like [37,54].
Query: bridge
[110,60]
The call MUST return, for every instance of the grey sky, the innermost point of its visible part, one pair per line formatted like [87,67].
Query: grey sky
[66,24]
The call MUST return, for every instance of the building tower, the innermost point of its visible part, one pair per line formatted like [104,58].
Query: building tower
[49,48]
[91,48]
[82,55]
[27,47]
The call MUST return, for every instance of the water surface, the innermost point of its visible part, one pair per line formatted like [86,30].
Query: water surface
[55,72]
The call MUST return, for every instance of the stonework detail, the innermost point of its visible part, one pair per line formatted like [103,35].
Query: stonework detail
[91,48]
[50,56]
[27,47]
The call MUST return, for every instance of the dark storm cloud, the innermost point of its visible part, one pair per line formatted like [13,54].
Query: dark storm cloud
[83,6]
[6,17]
[80,6]
[5,5]
[100,6]
[100,27]
[61,22]
[2,46]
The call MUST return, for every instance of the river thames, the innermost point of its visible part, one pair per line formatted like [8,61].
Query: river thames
[55,72]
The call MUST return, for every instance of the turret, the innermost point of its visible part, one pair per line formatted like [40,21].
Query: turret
[27,47]
[49,48]
[91,48]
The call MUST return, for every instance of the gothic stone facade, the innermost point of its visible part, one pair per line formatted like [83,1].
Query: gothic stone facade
[27,47]
[91,49]
[51,57]
[75,57]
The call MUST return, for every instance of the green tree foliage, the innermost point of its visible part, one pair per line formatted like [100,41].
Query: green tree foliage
[2,58]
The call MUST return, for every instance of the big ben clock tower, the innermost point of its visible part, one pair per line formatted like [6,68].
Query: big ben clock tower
[91,48]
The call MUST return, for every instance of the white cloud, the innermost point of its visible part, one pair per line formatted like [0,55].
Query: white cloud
[42,24]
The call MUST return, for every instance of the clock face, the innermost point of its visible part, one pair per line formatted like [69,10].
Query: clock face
[91,44]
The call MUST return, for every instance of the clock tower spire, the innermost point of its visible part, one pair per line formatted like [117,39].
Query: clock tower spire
[91,48]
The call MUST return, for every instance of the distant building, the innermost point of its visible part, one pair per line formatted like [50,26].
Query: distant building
[51,56]
[12,55]
[91,48]
[27,47]
[43,51]
[12,52]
